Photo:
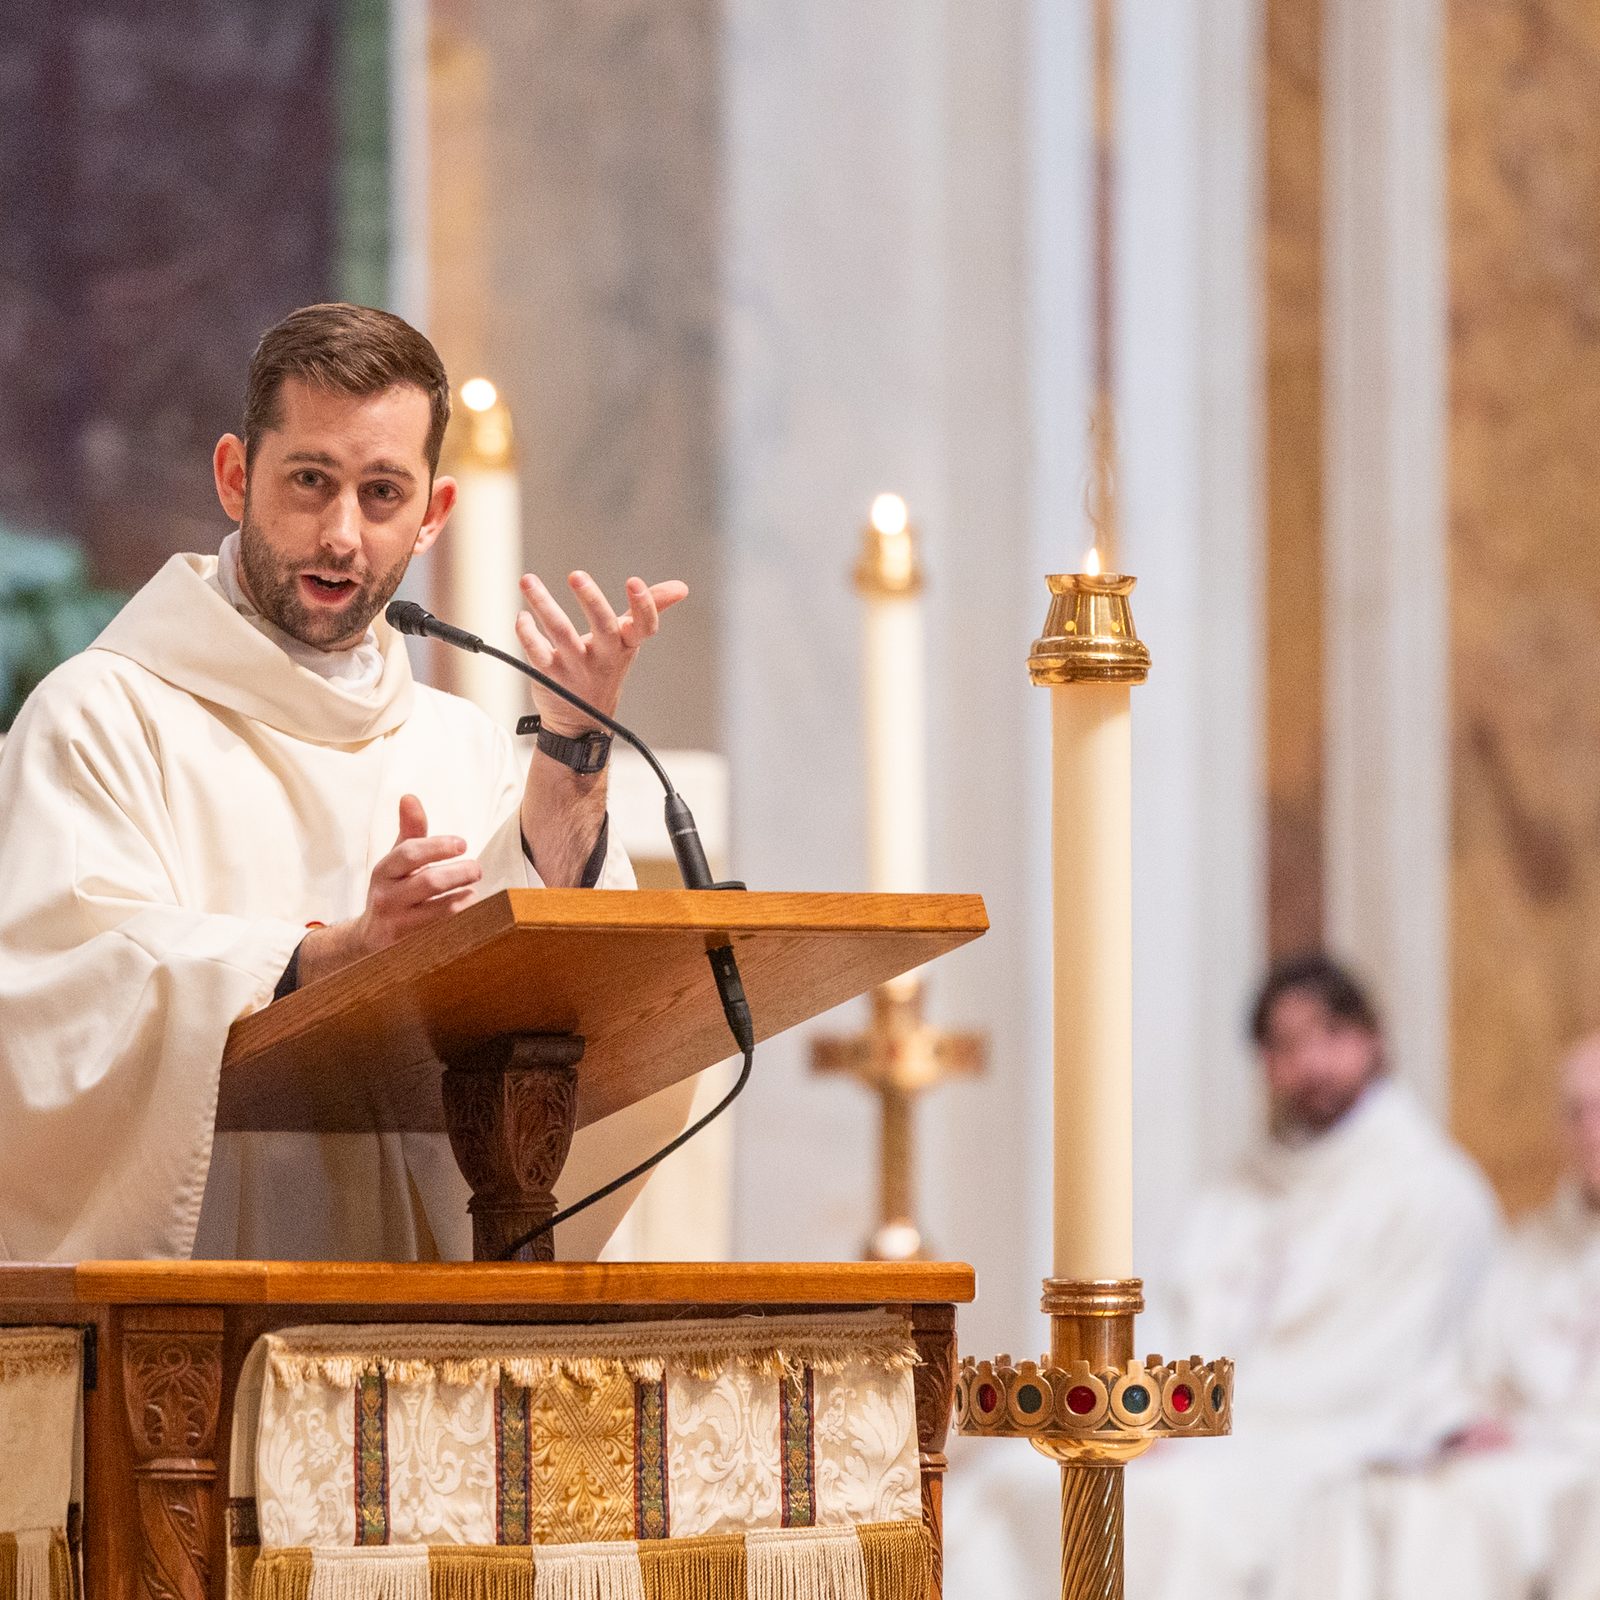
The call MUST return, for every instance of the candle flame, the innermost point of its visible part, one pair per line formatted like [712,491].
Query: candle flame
[478,394]
[1091,562]
[889,514]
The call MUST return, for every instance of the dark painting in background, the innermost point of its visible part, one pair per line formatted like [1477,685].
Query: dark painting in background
[175,175]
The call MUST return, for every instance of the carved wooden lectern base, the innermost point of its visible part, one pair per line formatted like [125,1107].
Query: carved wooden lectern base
[511,1108]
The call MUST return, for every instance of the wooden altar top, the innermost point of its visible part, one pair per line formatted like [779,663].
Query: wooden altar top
[501,1284]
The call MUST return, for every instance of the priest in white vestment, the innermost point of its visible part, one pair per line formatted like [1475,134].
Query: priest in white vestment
[1331,1267]
[1509,1507]
[238,789]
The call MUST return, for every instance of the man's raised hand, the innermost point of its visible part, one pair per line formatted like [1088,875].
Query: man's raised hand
[422,879]
[592,664]
[425,877]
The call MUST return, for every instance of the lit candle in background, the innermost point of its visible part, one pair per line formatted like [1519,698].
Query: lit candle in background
[890,580]
[1089,657]
[899,1056]
[483,548]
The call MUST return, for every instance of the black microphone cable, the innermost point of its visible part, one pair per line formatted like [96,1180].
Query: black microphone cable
[406,616]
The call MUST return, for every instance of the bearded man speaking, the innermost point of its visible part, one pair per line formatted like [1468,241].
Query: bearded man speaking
[239,789]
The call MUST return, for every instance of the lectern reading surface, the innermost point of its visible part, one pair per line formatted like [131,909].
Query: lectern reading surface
[477,1028]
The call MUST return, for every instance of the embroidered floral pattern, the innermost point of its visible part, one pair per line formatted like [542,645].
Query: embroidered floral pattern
[867,1467]
[372,1460]
[799,1488]
[724,1457]
[580,1455]
[651,1516]
[511,1463]
[440,1453]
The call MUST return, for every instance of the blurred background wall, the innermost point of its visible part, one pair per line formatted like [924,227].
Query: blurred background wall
[739,265]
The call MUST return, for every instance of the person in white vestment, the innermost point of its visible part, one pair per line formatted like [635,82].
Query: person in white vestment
[1509,1507]
[239,789]
[1331,1267]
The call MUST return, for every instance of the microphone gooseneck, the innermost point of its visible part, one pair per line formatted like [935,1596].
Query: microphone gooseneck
[406,616]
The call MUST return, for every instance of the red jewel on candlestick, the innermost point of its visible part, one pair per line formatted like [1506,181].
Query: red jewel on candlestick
[1081,1400]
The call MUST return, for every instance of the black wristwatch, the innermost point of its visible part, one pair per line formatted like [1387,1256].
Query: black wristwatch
[585,754]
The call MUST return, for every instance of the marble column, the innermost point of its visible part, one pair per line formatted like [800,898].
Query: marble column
[575,200]
[875,338]
[1191,355]
[1386,834]
[1294,418]
[1524,421]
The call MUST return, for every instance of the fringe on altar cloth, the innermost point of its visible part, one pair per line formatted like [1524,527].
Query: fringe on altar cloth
[771,1346]
[898,1558]
[708,1568]
[36,1564]
[588,1572]
[479,1572]
[808,1564]
[877,1561]
[38,1352]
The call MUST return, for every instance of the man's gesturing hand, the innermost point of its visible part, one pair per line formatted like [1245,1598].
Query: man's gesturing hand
[423,879]
[593,664]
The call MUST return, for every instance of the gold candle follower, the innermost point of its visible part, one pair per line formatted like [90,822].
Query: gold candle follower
[1088,632]
[479,435]
[888,565]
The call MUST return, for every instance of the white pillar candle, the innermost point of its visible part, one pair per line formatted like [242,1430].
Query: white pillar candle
[1093,906]
[893,674]
[483,553]
[897,805]
[1089,657]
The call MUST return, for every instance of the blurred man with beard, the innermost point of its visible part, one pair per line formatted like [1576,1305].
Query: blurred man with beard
[239,789]
[1333,1267]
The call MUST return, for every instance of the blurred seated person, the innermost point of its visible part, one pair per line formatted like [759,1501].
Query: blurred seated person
[1510,1506]
[1332,1266]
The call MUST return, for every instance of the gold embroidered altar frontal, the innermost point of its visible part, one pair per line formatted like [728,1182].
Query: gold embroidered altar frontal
[604,1442]
[40,1384]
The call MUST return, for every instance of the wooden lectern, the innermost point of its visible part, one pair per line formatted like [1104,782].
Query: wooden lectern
[523,1019]
[542,1010]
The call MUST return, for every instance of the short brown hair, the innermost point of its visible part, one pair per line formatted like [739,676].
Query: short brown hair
[1335,987]
[350,350]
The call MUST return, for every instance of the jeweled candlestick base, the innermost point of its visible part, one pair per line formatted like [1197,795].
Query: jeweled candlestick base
[1090,1406]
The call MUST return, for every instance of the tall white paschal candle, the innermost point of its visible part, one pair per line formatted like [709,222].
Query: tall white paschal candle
[483,550]
[897,779]
[1089,657]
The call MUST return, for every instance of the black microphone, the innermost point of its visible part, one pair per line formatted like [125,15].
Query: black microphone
[406,616]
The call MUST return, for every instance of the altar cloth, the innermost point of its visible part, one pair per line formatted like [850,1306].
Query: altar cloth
[40,1423]
[776,1454]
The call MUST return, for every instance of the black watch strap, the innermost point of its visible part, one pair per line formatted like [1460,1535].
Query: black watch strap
[587,753]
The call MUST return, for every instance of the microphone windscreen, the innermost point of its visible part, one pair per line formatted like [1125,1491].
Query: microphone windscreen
[406,616]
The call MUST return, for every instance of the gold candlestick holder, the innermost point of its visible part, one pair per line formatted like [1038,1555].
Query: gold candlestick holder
[1088,1403]
[1092,1407]
[899,1057]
